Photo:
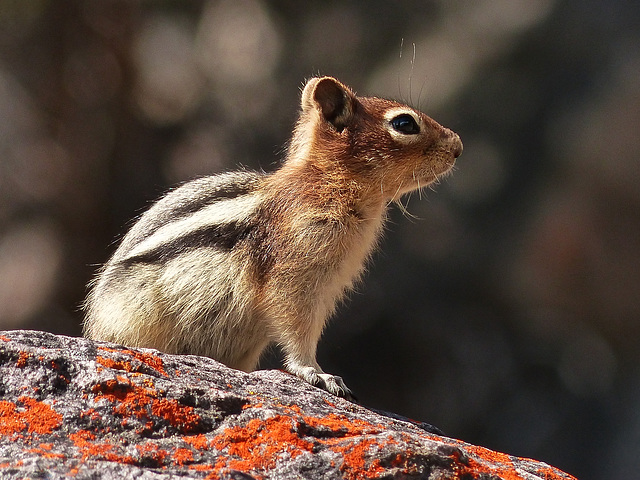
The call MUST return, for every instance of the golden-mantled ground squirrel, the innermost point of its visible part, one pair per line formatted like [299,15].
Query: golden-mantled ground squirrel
[227,264]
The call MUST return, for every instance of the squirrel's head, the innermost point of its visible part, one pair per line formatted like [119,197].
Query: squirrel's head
[385,145]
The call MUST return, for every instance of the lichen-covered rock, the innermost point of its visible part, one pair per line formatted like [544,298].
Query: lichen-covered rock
[70,407]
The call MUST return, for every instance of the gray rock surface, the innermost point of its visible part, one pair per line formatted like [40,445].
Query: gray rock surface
[70,407]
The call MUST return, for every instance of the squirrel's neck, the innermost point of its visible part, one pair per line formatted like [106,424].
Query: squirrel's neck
[322,187]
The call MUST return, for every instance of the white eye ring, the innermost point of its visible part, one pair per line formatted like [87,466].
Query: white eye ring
[408,135]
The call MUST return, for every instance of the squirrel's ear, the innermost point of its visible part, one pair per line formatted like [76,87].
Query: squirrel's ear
[334,101]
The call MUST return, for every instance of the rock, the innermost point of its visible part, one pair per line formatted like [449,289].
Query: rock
[73,407]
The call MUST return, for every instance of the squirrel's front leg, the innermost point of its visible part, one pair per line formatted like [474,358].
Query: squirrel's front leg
[300,359]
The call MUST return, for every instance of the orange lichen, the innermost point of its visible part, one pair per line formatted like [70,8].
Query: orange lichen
[257,445]
[152,451]
[10,419]
[492,463]
[182,456]
[84,441]
[199,442]
[340,423]
[354,466]
[177,415]
[201,467]
[22,359]
[116,364]
[133,401]
[82,438]
[34,416]
[492,456]
[92,413]
[148,359]
[45,452]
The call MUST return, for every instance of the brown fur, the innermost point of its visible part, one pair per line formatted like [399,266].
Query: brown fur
[273,261]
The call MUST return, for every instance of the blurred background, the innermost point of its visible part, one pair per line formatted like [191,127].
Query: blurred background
[505,309]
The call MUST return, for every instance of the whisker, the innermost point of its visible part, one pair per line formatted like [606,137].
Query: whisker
[424,82]
[401,48]
[413,63]
[405,211]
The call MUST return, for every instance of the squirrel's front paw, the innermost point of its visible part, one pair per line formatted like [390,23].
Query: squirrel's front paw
[330,383]
[334,384]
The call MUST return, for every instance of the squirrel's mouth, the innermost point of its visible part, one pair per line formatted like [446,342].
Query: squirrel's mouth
[427,175]
[436,170]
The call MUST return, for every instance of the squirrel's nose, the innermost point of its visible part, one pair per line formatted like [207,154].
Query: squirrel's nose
[457,146]
[453,140]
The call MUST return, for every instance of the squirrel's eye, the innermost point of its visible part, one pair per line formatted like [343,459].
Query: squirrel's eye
[405,124]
